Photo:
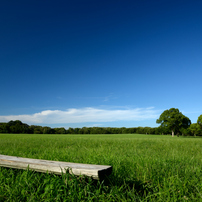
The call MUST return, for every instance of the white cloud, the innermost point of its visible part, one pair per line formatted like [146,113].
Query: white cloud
[82,115]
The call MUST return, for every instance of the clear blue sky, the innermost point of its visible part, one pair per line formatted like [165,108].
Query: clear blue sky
[99,63]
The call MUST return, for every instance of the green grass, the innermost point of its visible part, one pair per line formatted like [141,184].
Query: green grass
[145,168]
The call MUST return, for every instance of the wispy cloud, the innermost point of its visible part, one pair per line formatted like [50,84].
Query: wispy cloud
[107,98]
[82,115]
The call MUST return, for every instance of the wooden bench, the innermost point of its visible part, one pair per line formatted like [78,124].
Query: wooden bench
[97,172]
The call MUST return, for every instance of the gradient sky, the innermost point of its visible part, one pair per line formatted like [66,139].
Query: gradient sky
[99,63]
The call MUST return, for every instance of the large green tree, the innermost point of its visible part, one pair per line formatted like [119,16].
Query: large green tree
[174,120]
[194,129]
[199,121]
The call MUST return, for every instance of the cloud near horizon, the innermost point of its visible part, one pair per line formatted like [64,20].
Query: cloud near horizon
[82,115]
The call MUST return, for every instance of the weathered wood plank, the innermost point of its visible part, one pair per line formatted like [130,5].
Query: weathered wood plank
[57,167]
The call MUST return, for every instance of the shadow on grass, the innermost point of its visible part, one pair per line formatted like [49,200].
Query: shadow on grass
[128,185]
[119,184]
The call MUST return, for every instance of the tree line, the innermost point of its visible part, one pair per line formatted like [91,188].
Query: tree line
[171,121]
[19,127]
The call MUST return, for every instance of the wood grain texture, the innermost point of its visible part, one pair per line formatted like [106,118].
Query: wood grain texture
[97,172]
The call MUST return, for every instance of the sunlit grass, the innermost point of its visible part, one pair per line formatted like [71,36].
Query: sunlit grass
[145,168]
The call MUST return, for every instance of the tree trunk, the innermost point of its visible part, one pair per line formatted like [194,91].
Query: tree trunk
[172,133]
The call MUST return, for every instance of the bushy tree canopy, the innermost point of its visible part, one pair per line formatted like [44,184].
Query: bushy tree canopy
[194,129]
[199,121]
[173,120]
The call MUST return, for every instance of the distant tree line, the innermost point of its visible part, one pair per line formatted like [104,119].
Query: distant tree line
[172,122]
[19,127]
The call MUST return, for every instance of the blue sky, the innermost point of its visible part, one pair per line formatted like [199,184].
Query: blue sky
[99,63]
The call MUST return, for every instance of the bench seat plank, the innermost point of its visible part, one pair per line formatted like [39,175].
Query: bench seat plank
[58,167]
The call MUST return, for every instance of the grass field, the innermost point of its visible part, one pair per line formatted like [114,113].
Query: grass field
[145,168]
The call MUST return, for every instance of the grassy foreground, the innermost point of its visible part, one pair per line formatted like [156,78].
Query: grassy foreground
[145,168]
